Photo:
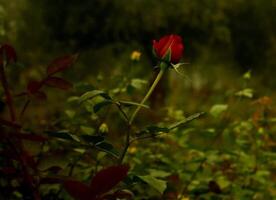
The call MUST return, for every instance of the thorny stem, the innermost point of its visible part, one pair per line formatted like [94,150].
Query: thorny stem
[163,67]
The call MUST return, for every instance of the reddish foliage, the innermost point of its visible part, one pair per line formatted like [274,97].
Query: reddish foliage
[79,190]
[34,86]
[60,64]
[107,178]
[58,83]
[102,183]
[8,52]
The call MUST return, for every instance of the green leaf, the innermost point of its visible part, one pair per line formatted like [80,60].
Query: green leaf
[130,103]
[100,105]
[217,109]
[101,155]
[153,130]
[70,113]
[108,148]
[223,182]
[83,87]
[64,134]
[92,139]
[55,159]
[158,173]
[92,94]
[79,150]
[87,130]
[187,120]
[176,66]
[159,185]
[73,99]
[247,92]
[156,129]
[138,83]
[247,75]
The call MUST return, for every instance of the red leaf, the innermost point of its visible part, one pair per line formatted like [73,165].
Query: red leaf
[8,52]
[33,86]
[58,83]
[107,178]
[78,190]
[61,63]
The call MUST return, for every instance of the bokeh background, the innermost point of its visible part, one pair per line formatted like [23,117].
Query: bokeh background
[223,39]
[234,34]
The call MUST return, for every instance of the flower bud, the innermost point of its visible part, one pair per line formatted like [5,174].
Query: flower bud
[169,48]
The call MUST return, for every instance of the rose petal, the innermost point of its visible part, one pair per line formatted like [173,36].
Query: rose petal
[169,42]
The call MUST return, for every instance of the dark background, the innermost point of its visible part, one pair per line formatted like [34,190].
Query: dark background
[223,39]
[238,31]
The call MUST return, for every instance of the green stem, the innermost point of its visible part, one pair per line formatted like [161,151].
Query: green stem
[127,143]
[157,79]
[163,67]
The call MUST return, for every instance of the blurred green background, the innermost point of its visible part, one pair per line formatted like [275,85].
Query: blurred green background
[223,39]
[235,33]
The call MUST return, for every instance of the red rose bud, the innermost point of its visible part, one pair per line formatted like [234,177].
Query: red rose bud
[169,48]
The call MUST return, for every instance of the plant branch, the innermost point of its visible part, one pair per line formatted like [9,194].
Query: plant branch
[128,140]
[157,79]
[24,108]
[127,143]
[8,95]
[123,112]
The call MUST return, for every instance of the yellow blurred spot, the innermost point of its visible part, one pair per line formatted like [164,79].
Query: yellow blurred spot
[132,150]
[261,130]
[135,55]
[103,128]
